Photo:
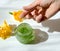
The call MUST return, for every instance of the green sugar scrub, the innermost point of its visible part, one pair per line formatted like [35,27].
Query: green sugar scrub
[24,33]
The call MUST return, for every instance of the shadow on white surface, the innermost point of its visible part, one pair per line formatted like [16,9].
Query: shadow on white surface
[41,36]
[53,25]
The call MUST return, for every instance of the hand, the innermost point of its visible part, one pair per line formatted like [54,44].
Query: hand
[41,10]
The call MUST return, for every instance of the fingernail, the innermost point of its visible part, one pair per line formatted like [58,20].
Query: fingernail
[38,18]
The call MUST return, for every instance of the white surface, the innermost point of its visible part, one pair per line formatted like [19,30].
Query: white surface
[50,27]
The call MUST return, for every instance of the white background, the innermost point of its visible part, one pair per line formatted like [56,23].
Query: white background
[49,31]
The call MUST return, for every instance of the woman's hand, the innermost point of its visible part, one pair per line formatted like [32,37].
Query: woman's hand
[41,10]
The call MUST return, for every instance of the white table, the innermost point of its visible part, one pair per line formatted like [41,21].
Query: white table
[49,30]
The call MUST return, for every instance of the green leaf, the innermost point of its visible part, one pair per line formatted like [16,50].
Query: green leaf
[11,13]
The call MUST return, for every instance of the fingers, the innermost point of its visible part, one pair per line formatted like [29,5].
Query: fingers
[29,16]
[52,10]
[23,14]
[38,18]
[32,14]
[28,9]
